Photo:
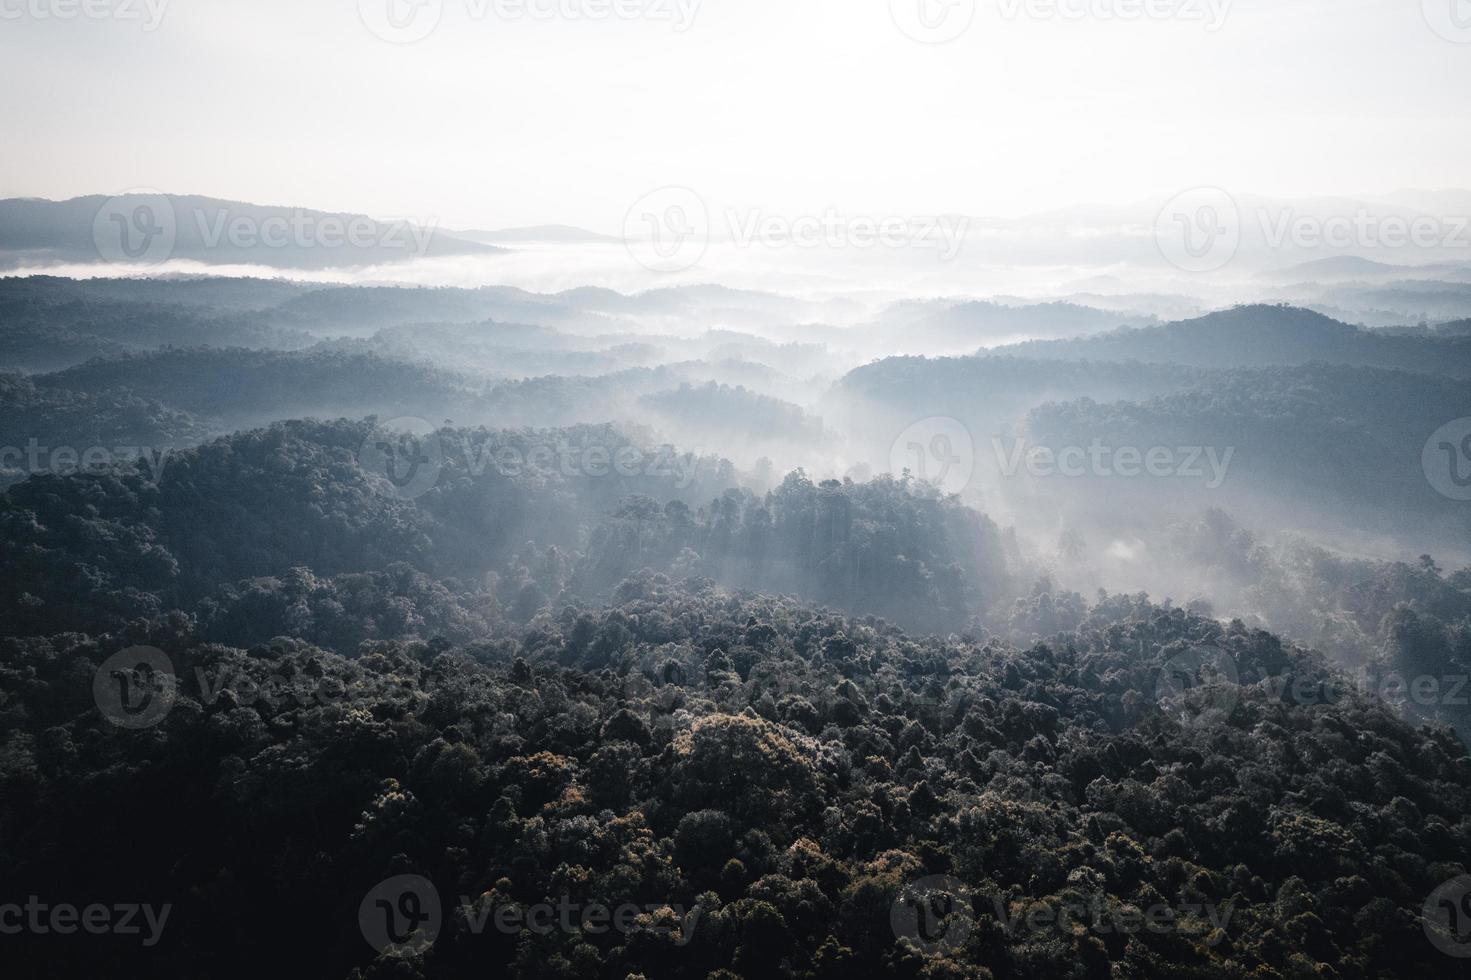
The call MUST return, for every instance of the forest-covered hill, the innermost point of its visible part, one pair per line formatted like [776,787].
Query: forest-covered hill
[1251,336]
[766,788]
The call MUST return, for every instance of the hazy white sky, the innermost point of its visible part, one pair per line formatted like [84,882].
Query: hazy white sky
[783,105]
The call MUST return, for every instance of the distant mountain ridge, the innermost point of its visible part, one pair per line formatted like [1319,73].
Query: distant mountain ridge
[1355,268]
[1261,336]
[148,229]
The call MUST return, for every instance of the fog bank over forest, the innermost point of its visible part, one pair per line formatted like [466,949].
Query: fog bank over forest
[1102,411]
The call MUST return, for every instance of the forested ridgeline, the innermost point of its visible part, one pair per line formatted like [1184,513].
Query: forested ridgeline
[1333,450]
[1258,335]
[509,519]
[177,396]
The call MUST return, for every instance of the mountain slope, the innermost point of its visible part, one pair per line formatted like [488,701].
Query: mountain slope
[149,228]
[1260,336]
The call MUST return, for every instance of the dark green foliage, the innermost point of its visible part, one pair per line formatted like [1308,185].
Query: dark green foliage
[287,781]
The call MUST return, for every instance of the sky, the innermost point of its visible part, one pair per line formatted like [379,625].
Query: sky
[497,118]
